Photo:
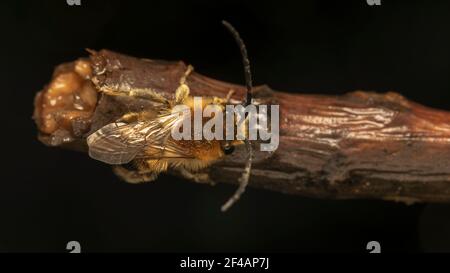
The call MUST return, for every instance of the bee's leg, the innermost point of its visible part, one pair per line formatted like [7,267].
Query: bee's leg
[182,91]
[141,93]
[228,97]
[226,100]
[156,165]
[188,71]
[202,178]
[129,117]
[134,176]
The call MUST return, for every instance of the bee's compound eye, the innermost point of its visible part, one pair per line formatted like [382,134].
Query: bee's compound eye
[228,149]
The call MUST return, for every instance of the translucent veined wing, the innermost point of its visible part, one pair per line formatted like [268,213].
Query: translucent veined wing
[167,149]
[119,142]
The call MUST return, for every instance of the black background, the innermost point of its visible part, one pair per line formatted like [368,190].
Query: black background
[50,196]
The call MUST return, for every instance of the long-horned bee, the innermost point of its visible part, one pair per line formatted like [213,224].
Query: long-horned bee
[144,140]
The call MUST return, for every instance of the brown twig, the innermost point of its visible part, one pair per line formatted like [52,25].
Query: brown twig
[360,145]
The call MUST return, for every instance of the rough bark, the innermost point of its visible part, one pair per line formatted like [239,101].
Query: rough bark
[359,145]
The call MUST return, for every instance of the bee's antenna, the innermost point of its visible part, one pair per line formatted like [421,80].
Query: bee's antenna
[245,61]
[243,181]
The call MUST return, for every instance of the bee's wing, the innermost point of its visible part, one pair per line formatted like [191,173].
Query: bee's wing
[119,142]
[168,149]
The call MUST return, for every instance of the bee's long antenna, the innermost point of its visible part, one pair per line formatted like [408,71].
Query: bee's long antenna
[245,61]
[243,181]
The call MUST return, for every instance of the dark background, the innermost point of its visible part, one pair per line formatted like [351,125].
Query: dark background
[50,196]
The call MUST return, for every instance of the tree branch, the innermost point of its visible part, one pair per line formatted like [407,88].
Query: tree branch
[359,145]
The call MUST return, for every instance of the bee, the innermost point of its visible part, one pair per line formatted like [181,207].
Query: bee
[143,139]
